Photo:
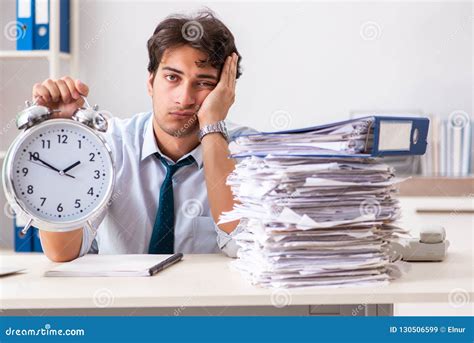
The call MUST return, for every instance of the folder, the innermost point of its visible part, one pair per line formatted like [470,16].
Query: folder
[25,19]
[64,30]
[41,25]
[23,242]
[372,136]
[36,240]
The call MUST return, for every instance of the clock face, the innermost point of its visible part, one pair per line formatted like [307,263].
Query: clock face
[61,172]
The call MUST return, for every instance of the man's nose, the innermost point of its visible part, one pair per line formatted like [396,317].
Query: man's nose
[186,97]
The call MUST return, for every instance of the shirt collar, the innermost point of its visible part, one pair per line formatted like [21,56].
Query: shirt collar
[150,147]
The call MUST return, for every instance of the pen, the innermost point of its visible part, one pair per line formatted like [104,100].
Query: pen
[166,263]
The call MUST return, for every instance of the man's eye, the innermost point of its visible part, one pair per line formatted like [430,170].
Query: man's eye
[206,84]
[171,77]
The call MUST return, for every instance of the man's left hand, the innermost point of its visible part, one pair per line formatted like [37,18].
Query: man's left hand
[216,105]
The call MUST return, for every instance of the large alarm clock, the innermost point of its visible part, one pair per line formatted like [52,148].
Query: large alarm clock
[59,173]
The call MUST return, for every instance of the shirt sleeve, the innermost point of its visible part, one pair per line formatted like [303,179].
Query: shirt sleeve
[89,242]
[226,241]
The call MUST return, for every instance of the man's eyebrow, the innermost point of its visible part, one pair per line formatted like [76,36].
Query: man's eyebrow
[199,76]
[173,69]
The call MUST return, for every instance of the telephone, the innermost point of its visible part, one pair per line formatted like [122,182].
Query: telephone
[431,246]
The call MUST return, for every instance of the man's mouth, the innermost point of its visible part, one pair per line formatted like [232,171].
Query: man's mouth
[183,113]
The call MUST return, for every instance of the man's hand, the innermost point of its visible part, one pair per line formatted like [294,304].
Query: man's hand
[63,94]
[216,105]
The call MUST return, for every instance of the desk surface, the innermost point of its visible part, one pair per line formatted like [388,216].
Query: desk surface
[208,280]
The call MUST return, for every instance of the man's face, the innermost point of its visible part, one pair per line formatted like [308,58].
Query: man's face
[178,89]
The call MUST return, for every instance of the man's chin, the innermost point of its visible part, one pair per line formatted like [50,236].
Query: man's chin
[182,129]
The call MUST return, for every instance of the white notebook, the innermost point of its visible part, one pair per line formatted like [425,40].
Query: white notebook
[115,265]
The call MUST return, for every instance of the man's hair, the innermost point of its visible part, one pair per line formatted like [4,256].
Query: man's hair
[202,31]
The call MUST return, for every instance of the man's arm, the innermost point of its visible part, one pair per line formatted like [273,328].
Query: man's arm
[64,95]
[217,165]
[61,246]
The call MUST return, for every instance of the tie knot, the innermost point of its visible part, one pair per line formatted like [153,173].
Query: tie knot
[172,168]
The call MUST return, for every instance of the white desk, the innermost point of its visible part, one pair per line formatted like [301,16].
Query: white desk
[205,284]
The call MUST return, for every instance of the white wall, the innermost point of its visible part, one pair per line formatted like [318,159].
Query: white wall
[304,63]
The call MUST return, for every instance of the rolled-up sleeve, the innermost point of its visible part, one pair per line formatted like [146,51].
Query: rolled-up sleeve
[89,242]
[226,241]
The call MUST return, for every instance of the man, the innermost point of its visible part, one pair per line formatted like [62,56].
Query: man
[171,163]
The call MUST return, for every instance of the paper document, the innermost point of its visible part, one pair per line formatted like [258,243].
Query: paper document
[309,220]
[111,265]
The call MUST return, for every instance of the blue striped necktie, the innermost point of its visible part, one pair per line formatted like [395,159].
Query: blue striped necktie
[162,238]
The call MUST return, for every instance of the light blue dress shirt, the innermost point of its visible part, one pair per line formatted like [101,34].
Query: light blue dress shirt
[126,226]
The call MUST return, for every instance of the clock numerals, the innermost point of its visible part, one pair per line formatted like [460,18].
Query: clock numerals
[62,139]
[46,144]
[34,156]
[77,204]
[80,143]
[60,207]
[25,171]
[43,200]
[92,157]
[91,191]
[97,174]
[29,190]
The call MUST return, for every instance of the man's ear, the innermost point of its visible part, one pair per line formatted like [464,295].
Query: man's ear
[149,83]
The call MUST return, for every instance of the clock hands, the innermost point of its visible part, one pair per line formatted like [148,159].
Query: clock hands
[71,166]
[51,167]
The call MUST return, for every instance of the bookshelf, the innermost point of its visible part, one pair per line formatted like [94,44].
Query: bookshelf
[53,55]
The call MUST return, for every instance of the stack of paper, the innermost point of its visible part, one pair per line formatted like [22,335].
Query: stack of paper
[311,220]
[347,137]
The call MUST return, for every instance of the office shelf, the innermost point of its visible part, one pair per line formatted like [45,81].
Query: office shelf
[438,186]
[15,54]
[54,55]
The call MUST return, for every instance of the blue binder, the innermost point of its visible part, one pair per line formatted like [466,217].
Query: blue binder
[36,240]
[389,136]
[25,10]
[41,32]
[416,133]
[64,30]
[23,243]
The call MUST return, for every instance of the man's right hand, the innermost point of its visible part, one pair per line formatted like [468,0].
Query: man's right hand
[63,94]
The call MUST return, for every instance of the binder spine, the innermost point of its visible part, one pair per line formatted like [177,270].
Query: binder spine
[24,25]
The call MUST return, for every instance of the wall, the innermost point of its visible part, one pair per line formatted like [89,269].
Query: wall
[304,63]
